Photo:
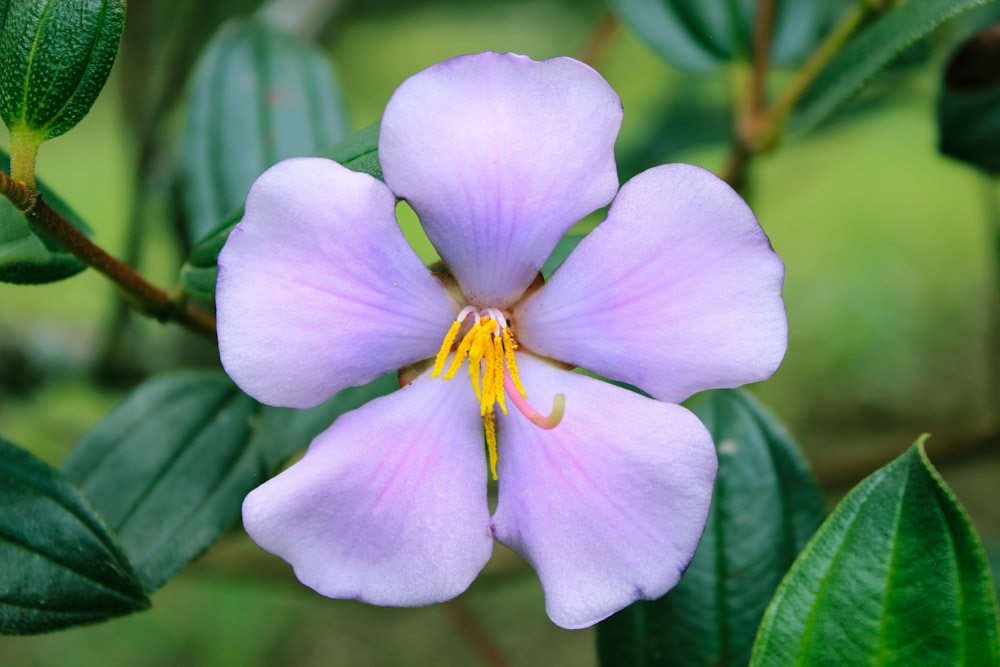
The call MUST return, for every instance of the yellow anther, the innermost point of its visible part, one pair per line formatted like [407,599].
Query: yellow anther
[474,373]
[489,378]
[498,358]
[442,355]
[489,425]
[478,348]
[489,346]
[463,349]
[509,346]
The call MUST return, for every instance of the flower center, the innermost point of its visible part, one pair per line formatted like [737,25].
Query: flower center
[489,345]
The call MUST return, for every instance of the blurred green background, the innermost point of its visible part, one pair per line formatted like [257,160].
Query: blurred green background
[891,289]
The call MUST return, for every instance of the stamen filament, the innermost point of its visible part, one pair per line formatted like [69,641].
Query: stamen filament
[525,408]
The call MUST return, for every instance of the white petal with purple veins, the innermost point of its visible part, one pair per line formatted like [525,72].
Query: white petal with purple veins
[677,291]
[318,289]
[609,505]
[499,155]
[388,506]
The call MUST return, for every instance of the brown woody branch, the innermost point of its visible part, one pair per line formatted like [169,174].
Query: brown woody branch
[148,298]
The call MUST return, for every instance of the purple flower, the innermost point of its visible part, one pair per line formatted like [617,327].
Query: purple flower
[677,291]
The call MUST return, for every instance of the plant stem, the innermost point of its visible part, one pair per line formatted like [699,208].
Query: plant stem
[778,113]
[750,98]
[759,129]
[144,295]
[601,38]
[23,151]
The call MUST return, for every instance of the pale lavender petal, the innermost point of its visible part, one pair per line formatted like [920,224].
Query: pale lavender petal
[318,290]
[499,155]
[388,506]
[677,291]
[608,506]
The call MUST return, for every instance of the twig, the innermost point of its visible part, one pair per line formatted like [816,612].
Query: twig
[474,634]
[147,297]
[758,130]
[600,40]
[751,100]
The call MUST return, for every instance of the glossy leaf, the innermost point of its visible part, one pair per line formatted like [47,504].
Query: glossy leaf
[765,508]
[61,564]
[699,35]
[895,576]
[257,96]
[968,110]
[359,151]
[170,466]
[57,55]
[198,275]
[871,51]
[26,255]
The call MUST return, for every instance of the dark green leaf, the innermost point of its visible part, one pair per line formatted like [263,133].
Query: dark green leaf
[169,468]
[358,152]
[56,57]
[61,565]
[161,43]
[698,35]
[766,507]
[257,96]
[869,52]
[28,257]
[895,576]
[968,111]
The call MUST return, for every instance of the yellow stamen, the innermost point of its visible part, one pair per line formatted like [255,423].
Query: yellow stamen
[463,349]
[509,346]
[489,378]
[489,425]
[498,357]
[442,355]
[489,346]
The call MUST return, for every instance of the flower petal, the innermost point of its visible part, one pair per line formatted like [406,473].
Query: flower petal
[609,505]
[388,506]
[318,289]
[499,155]
[677,291]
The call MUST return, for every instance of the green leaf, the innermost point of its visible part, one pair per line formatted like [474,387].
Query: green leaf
[699,35]
[895,576]
[766,507]
[28,257]
[871,51]
[358,152]
[56,57]
[61,565]
[968,110]
[257,96]
[169,467]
